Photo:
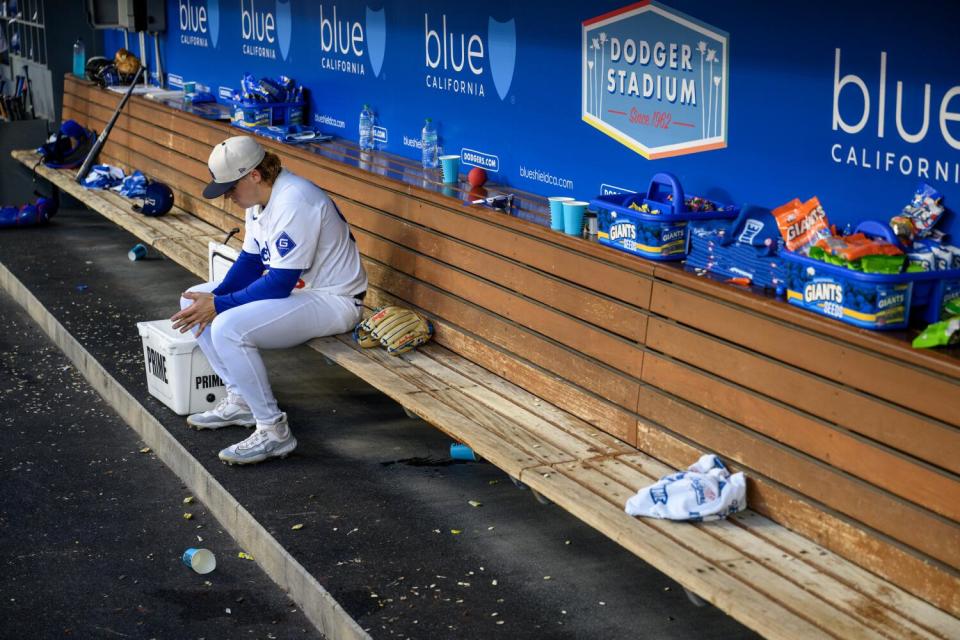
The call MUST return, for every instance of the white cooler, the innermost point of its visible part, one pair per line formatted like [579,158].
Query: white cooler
[178,374]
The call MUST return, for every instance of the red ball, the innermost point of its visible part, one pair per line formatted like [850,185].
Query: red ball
[477,177]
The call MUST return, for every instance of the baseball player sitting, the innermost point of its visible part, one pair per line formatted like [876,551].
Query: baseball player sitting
[298,277]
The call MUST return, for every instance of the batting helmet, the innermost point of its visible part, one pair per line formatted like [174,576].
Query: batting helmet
[68,147]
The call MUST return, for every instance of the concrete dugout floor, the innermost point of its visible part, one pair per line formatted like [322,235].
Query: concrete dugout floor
[92,526]
[375,491]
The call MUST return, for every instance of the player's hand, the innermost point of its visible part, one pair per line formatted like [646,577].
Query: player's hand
[199,314]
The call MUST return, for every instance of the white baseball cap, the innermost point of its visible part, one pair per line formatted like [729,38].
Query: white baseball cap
[229,161]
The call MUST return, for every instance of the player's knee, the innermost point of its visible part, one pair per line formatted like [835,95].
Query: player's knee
[206,287]
[222,334]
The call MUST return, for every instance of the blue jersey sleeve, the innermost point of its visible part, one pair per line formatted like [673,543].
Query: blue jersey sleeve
[277,283]
[247,268]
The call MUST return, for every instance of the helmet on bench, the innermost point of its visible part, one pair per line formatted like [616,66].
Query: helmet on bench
[68,147]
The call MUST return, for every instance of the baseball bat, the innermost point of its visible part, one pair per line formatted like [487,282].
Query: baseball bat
[102,138]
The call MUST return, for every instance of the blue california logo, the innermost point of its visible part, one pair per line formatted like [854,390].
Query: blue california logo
[264,32]
[199,22]
[502,39]
[344,41]
[376,38]
[455,59]
[655,80]
[284,26]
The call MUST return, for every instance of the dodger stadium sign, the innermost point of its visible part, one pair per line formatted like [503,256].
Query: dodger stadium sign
[655,80]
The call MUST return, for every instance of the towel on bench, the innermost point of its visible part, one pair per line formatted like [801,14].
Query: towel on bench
[706,491]
[103,176]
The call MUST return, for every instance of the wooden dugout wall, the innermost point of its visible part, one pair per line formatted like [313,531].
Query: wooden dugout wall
[850,438]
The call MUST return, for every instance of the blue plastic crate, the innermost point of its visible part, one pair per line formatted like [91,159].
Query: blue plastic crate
[661,236]
[266,114]
[869,300]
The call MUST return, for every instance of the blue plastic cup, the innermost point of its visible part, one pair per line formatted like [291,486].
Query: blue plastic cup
[556,211]
[573,217]
[460,451]
[451,168]
[139,252]
[200,560]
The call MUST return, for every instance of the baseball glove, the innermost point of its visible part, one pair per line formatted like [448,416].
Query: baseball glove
[397,329]
[126,63]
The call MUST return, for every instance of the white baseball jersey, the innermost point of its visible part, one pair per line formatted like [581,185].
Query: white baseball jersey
[301,228]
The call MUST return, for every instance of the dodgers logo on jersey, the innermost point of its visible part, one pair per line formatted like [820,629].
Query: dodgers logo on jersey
[285,244]
[658,495]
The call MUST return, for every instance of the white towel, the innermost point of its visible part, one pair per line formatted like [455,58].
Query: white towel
[706,491]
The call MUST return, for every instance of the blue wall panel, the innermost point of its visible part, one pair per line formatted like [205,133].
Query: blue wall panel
[513,82]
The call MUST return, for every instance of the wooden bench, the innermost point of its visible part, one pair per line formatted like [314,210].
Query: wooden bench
[587,373]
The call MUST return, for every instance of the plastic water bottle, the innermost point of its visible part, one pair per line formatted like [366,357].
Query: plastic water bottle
[79,58]
[366,128]
[428,142]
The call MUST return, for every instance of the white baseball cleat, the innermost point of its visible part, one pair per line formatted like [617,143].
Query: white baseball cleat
[230,411]
[268,441]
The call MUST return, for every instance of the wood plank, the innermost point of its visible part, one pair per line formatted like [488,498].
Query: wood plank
[595,308]
[892,600]
[598,442]
[886,469]
[493,236]
[569,332]
[569,445]
[464,396]
[423,404]
[875,418]
[647,539]
[599,413]
[913,525]
[895,345]
[594,376]
[751,533]
[923,391]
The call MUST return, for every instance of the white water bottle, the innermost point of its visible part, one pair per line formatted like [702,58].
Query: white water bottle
[428,142]
[366,128]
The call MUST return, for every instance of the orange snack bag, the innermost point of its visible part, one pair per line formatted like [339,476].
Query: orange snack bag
[856,246]
[802,224]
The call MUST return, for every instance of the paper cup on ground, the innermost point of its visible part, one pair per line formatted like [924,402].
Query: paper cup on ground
[451,168]
[200,560]
[462,452]
[556,211]
[573,217]
[139,252]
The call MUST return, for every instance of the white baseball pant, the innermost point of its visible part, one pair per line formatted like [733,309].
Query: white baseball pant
[234,338]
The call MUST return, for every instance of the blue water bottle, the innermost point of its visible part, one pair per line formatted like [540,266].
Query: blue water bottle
[366,128]
[428,142]
[79,58]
